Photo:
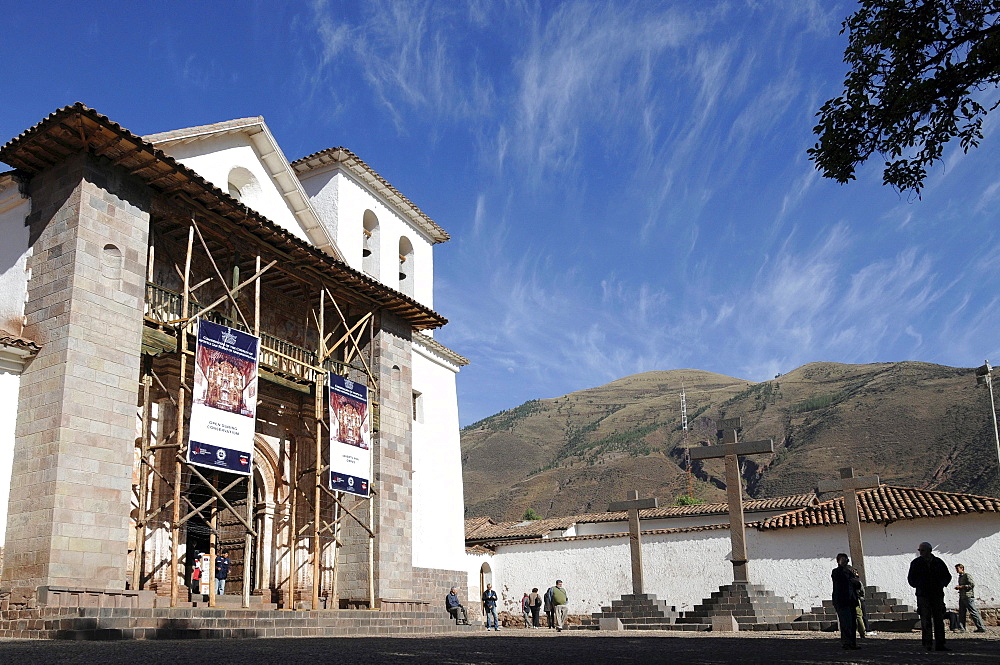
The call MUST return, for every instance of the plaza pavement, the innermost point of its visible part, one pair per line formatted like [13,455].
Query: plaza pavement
[515,646]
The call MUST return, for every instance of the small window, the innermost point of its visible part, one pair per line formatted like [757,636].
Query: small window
[406,267]
[243,186]
[369,244]
[418,406]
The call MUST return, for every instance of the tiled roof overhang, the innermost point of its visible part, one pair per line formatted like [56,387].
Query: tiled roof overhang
[441,349]
[343,157]
[493,544]
[17,342]
[749,506]
[77,128]
[886,504]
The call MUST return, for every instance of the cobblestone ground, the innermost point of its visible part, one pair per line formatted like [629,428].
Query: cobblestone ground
[517,646]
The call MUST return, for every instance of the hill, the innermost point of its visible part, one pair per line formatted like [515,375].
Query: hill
[914,424]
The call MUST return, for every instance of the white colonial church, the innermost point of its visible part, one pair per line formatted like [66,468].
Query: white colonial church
[362,249]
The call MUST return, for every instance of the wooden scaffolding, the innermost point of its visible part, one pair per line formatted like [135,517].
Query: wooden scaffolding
[199,252]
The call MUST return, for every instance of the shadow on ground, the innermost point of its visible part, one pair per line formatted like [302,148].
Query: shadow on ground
[502,648]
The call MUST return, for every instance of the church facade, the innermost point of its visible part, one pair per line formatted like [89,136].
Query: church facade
[115,247]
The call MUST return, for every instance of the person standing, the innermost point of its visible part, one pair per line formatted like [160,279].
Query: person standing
[490,607]
[845,601]
[222,566]
[557,597]
[526,610]
[550,612]
[929,576]
[967,600]
[455,607]
[535,604]
[196,574]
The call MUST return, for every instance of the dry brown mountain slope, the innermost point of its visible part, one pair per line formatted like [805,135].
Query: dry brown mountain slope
[912,423]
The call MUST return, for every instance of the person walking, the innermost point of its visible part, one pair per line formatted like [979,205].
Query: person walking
[526,610]
[535,604]
[550,611]
[558,599]
[490,607]
[845,601]
[929,576]
[967,600]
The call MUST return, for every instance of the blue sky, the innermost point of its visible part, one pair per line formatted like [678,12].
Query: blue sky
[625,183]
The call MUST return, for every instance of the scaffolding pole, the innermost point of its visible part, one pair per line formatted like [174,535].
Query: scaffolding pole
[175,527]
[143,477]
[318,461]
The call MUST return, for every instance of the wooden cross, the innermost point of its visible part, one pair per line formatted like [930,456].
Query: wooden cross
[731,449]
[849,484]
[633,506]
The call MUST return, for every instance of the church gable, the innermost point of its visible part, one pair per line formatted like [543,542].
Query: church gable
[241,158]
[379,230]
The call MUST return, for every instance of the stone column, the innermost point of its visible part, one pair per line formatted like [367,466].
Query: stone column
[394,462]
[70,492]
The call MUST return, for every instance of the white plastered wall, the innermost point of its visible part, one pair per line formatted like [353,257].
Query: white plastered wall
[14,252]
[438,503]
[474,565]
[213,157]
[685,568]
[340,201]
[8,416]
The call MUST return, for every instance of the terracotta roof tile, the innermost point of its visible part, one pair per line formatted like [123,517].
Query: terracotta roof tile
[473,524]
[478,549]
[23,343]
[519,531]
[752,505]
[601,536]
[886,504]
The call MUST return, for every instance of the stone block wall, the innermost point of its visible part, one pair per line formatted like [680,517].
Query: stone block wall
[394,462]
[433,584]
[72,470]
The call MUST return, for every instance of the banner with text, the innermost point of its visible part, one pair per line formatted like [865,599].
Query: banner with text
[224,402]
[350,436]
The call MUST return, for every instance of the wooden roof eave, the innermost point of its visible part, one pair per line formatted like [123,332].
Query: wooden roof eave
[101,136]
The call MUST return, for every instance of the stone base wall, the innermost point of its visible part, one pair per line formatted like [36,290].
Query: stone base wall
[198,623]
[433,584]
[76,597]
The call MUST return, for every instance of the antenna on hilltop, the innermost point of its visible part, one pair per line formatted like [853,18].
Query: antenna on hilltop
[684,441]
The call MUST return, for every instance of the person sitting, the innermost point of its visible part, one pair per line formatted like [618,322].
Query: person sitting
[455,607]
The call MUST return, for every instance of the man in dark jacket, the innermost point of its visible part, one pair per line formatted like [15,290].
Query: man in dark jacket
[455,607]
[221,572]
[490,607]
[929,576]
[845,601]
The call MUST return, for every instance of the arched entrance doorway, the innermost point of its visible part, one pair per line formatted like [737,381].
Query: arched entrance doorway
[485,577]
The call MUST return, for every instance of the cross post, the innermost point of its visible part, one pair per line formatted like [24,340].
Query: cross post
[731,449]
[849,484]
[633,506]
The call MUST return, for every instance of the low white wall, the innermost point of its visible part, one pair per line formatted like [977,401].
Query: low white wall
[683,569]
